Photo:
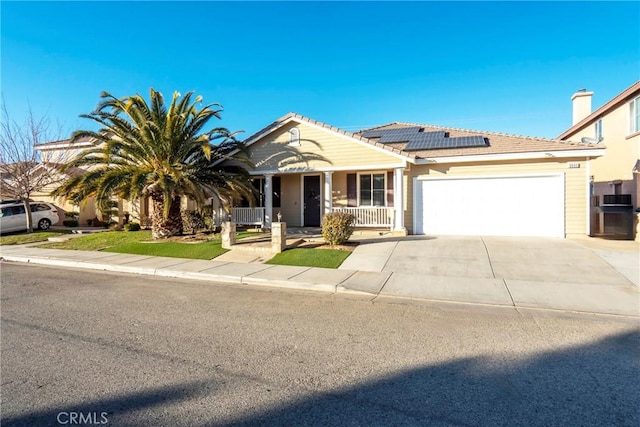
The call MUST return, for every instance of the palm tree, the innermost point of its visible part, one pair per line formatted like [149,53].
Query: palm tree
[158,152]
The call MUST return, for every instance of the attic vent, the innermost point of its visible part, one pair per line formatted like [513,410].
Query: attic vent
[294,137]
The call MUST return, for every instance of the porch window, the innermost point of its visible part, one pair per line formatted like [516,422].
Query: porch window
[372,191]
[258,184]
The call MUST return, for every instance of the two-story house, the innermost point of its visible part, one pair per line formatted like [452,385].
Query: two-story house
[615,186]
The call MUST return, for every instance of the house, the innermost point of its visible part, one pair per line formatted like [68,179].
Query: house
[420,179]
[615,176]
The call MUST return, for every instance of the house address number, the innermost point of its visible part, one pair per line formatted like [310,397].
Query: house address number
[574,165]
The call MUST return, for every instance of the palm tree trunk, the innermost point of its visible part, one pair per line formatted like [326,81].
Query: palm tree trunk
[162,227]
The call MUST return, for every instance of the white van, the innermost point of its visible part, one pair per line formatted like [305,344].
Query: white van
[14,218]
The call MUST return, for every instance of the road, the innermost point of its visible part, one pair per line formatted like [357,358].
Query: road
[129,350]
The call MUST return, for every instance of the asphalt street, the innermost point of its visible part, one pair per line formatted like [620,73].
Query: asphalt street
[126,350]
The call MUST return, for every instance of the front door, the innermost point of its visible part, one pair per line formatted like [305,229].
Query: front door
[311,201]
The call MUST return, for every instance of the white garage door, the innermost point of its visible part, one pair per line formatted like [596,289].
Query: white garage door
[491,206]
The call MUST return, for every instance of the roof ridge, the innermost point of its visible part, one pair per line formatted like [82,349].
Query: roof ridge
[332,128]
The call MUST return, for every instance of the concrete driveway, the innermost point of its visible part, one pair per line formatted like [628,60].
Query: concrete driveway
[508,258]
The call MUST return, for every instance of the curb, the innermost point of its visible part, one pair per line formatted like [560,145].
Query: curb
[282,284]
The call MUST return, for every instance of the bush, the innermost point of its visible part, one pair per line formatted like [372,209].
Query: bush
[192,221]
[337,227]
[70,223]
[132,226]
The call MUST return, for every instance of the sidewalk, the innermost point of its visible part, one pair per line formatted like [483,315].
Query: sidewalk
[574,297]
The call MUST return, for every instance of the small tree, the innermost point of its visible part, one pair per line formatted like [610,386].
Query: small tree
[22,173]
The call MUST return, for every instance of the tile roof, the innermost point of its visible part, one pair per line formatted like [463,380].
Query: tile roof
[499,143]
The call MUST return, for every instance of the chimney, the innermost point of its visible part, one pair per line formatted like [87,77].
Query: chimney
[581,105]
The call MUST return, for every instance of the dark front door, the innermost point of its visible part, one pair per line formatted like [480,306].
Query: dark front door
[311,201]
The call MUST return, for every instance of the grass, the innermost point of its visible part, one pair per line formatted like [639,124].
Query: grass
[36,236]
[139,243]
[100,241]
[204,250]
[327,258]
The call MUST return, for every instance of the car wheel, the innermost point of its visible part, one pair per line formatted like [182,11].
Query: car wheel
[44,224]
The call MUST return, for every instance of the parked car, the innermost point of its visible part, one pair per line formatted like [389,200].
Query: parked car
[14,218]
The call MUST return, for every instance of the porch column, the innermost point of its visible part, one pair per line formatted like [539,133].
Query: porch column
[268,200]
[328,192]
[398,199]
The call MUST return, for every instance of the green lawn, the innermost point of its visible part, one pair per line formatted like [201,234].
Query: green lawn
[204,250]
[100,241]
[327,258]
[36,236]
[140,243]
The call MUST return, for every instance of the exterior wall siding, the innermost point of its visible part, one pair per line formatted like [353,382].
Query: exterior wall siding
[622,153]
[576,203]
[319,149]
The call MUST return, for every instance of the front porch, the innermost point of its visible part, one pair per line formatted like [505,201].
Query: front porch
[373,197]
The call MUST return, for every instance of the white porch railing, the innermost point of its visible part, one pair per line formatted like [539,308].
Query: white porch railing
[248,216]
[371,216]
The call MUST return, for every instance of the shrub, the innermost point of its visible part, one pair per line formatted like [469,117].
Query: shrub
[207,217]
[337,227]
[192,221]
[132,226]
[70,223]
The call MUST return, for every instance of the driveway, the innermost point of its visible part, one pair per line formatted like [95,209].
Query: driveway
[511,259]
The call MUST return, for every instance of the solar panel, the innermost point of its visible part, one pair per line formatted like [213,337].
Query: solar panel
[436,143]
[417,139]
[392,135]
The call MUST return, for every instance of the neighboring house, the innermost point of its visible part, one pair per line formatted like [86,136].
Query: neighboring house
[615,176]
[420,179]
[60,152]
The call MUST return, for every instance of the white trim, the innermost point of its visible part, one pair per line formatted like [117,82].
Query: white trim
[511,175]
[329,169]
[513,156]
[588,201]
[328,192]
[384,174]
[414,210]
[302,195]
[398,199]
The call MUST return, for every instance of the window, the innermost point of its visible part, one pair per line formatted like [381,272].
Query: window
[258,184]
[372,189]
[13,210]
[294,137]
[634,115]
[40,207]
[598,134]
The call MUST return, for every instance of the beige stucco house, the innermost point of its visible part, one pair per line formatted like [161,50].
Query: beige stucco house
[420,179]
[614,176]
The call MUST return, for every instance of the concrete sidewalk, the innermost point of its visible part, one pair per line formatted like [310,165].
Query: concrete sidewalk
[420,285]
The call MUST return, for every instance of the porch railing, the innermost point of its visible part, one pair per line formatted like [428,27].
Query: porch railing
[370,217]
[616,199]
[248,216]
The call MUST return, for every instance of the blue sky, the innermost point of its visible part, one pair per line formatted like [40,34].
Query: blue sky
[507,66]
